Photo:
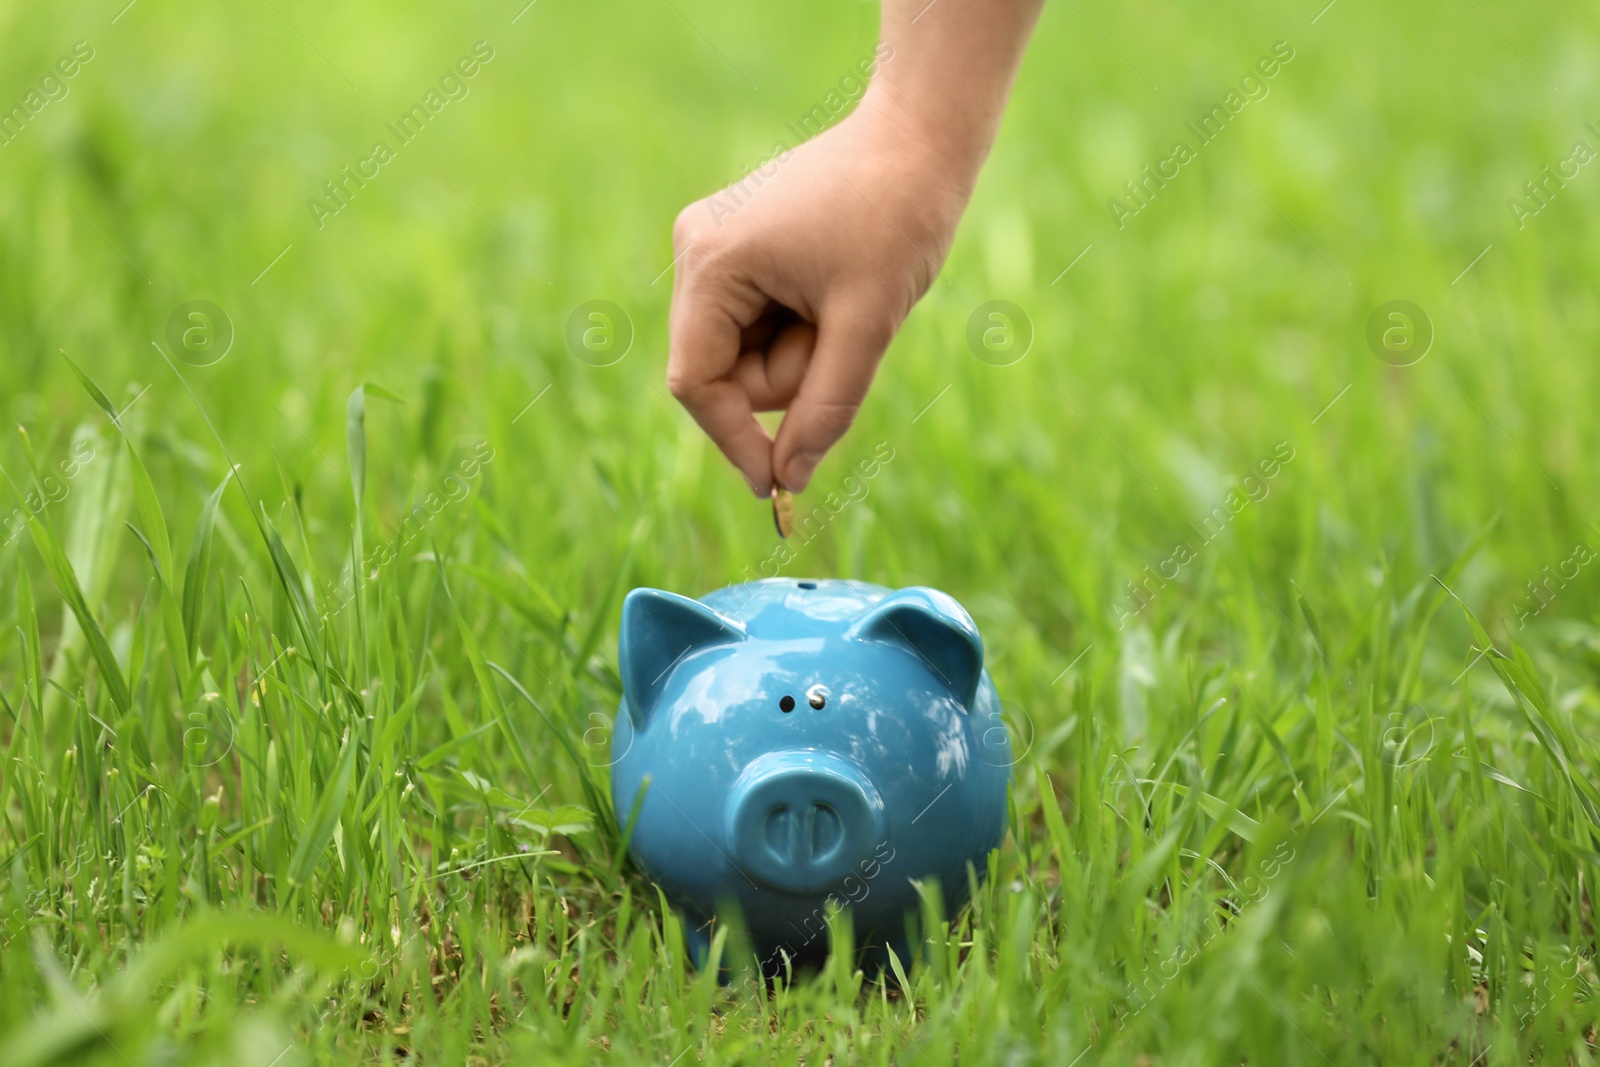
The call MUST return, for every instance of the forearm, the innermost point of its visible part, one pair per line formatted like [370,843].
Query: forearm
[951,71]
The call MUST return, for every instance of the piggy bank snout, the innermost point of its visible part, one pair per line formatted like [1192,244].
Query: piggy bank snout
[803,821]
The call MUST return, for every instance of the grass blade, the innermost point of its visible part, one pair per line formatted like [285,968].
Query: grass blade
[66,583]
[199,564]
[330,808]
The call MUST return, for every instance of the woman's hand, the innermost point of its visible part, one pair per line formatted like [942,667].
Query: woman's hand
[791,283]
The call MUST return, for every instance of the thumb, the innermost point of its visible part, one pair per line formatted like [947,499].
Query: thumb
[848,350]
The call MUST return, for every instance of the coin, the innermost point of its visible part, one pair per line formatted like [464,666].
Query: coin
[782,511]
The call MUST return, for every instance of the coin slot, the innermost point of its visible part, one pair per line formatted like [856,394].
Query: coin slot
[806,585]
[786,704]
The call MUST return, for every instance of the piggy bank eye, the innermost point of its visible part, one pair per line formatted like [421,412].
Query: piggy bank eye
[817,696]
[786,704]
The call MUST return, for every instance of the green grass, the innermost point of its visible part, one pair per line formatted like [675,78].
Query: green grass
[262,807]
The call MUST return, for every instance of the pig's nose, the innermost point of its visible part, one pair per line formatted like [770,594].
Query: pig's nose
[803,821]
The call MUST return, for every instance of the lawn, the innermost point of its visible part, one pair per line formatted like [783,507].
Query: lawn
[309,604]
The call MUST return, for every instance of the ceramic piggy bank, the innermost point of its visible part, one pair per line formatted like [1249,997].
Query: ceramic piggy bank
[798,743]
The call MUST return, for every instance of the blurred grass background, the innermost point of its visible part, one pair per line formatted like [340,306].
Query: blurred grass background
[1304,684]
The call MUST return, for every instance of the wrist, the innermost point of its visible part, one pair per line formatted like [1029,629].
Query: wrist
[940,152]
[950,138]
[945,71]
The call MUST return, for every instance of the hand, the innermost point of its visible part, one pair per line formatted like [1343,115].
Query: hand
[792,282]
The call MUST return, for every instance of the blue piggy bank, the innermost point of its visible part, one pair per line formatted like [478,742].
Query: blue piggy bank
[801,743]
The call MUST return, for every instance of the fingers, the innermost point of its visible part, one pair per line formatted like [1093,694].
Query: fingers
[849,346]
[705,342]
[772,320]
[771,378]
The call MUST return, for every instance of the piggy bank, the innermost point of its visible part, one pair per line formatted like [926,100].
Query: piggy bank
[785,745]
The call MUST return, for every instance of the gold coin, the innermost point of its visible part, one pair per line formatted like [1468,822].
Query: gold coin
[783,511]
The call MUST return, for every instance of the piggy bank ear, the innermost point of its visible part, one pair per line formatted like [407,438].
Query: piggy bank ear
[935,629]
[658,630]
